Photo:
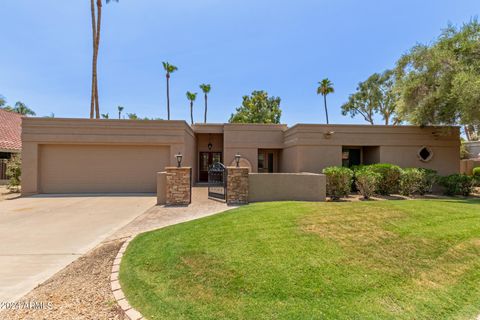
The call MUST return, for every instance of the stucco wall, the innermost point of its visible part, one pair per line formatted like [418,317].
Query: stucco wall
[313,147]
[176,136]
[286,187]
[248,138]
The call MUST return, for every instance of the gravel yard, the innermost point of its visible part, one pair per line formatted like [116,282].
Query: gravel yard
[80,291]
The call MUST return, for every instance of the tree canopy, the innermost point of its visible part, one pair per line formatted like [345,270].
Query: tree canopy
[440,83]
[376,95]
[258,108]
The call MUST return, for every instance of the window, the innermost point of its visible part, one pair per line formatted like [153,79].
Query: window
[425,154]
[261,160]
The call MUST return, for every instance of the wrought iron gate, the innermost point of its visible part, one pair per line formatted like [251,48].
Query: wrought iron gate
[217,181]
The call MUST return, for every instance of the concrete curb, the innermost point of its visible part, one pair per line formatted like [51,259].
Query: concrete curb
[129,312]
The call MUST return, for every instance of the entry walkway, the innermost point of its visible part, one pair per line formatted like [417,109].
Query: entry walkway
[162,216]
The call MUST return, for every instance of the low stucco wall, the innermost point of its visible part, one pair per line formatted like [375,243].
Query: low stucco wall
[161,187]
[286,187]
[466,166]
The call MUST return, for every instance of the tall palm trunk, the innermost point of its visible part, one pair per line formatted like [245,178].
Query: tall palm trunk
[97,45]
[205,116]
[325,103]
[191,112]
[94,71]
[168,96]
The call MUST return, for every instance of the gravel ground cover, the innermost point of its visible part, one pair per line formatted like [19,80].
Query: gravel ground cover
[80,291]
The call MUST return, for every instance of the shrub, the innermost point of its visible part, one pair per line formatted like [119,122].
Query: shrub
[458,184]
[366,181]
[476,176]
[390,176]
[14,170]
[429,178]
[339,181]
[410,181]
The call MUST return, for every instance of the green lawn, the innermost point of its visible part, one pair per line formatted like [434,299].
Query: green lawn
[415,259]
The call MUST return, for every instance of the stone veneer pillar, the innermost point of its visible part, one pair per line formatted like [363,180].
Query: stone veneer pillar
[237,185]
[178,188]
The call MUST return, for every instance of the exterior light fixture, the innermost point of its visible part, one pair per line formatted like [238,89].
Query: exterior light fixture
[210,146]
[179,159]
[237,159]
[329,134]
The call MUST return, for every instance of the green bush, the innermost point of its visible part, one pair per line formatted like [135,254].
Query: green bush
[476,176]
[429,178]
[366,181]
[460,184]
[390,176]
[410,181]
[339,181]
[14,171]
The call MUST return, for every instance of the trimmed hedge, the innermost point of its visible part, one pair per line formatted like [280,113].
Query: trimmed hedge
[458,184]
[411,180]
[339,181]
[366,181]
[389,180]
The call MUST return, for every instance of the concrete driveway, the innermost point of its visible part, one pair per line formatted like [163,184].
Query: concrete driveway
[40,235]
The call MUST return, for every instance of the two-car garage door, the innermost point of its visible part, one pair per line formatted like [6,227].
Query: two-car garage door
[100,168]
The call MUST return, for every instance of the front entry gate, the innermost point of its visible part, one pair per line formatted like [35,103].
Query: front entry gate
[217,181]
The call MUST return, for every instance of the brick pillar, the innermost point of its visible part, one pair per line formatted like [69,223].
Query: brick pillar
[237,185]
[178,190]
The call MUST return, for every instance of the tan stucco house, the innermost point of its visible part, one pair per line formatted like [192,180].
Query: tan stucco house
[83,155]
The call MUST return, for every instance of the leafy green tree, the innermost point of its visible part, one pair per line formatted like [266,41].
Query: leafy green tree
[3,101]
[20,108]
[258,108]
[132,116]
[206,89]
[325,87]
[439,83]
[96,18]
[120,109]
[169,69]
[191,97]
[376,95]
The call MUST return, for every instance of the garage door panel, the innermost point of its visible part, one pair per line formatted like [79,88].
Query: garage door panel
[100,168]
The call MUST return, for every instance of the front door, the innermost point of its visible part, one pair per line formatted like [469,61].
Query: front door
[206,160]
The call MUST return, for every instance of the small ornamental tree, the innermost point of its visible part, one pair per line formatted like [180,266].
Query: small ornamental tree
[366,181]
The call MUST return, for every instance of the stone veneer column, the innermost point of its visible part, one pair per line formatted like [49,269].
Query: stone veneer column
[178,190]
[237,185]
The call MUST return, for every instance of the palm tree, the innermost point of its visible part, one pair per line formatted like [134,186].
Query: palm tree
[169,68]
[206,89]
[96,26]
[325,87]
[120,109]
[105,116]
[191,97]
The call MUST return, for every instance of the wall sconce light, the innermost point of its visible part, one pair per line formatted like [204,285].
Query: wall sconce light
[329,134]
[237,159]
[210,145]
[179,159]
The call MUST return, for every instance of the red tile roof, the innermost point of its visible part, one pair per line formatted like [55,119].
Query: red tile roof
[10,131]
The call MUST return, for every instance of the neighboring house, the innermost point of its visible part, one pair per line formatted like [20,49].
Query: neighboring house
[473,149]
[82,155]
[10,139]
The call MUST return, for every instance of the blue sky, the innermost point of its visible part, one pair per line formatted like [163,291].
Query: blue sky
[283,47]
